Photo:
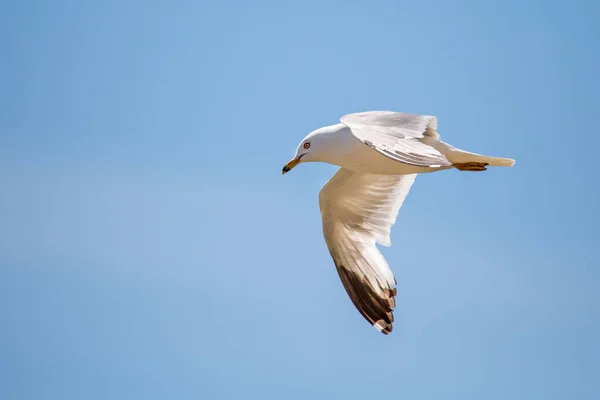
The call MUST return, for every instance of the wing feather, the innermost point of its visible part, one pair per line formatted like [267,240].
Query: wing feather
[397,136]
[358,211]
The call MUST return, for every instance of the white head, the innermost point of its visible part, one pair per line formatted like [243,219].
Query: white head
[318,145]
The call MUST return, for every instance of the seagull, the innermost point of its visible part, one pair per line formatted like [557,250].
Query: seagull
[379,154]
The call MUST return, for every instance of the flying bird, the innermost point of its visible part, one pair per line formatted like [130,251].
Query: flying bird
[379,154]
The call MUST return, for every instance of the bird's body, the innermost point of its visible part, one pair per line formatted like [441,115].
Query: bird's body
[352,154]
[380,153]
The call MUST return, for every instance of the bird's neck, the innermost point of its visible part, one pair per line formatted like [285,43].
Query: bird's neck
[341,144]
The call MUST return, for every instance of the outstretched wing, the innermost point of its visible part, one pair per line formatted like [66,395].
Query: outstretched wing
[358,211]
[396,135]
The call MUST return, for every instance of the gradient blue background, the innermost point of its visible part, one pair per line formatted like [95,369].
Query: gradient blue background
[150,249]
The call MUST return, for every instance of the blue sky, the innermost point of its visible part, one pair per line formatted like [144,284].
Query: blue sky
[150,248]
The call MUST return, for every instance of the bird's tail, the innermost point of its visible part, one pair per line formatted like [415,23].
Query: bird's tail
[467,161]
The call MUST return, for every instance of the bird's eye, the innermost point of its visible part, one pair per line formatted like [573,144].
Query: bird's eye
[307,145]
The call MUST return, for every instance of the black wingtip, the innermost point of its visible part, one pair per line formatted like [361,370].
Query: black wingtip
[383,327]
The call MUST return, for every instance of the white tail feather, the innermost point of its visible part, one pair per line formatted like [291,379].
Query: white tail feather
[458,156]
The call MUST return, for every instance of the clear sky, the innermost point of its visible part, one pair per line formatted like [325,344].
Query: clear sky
[151,249]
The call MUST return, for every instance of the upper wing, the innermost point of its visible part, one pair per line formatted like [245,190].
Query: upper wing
[358,211]
[396,135]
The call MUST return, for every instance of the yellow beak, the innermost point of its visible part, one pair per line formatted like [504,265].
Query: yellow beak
[288,167]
